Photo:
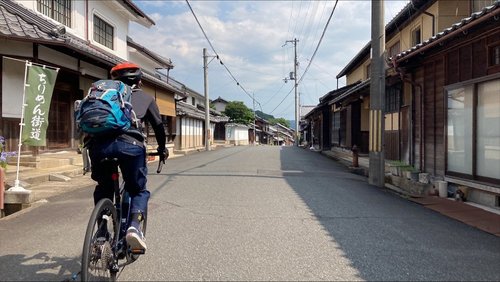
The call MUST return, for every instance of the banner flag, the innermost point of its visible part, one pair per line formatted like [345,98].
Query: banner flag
[39,87]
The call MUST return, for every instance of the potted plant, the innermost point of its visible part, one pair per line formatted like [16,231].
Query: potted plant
[3,166]
[4,155]
[397,168]
[411,173]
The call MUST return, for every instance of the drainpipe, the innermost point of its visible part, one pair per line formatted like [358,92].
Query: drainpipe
[87,20]
[422,117]
[433,21]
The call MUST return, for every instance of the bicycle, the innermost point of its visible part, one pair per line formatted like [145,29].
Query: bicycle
[105,245]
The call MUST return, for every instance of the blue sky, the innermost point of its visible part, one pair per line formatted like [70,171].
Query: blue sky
[250,37]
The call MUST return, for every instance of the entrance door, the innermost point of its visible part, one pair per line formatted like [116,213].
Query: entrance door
[59,130]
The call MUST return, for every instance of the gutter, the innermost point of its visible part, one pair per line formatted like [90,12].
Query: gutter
[422,118]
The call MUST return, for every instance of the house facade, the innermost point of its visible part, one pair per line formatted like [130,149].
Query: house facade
[220,128]
[441,91]
[454,81]
[85,39]
[190,121]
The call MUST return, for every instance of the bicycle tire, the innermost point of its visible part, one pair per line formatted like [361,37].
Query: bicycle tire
[97,255]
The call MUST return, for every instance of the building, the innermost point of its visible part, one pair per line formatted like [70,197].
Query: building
[85,39]
[441,90]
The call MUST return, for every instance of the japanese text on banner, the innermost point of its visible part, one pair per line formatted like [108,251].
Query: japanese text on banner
[39,88]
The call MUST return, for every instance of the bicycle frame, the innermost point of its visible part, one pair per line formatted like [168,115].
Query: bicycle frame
[114,248]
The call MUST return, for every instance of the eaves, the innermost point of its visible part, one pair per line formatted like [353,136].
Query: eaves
[491,12]
[19,23]
[356,89]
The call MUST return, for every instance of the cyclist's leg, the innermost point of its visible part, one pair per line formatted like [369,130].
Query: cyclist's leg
[101,173]
[134,172]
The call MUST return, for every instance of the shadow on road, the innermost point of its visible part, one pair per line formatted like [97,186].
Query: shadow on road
[386,237]
[39,267]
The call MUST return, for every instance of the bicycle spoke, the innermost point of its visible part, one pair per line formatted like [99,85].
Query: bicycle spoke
[98,258]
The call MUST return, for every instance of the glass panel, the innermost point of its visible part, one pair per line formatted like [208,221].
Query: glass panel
[488,129]
[459,130]
[103,32]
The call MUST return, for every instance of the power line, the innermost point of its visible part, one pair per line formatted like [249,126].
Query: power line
[319,42]
[217,55]
[282,100]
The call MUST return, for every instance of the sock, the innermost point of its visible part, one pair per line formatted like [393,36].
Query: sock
[135,220]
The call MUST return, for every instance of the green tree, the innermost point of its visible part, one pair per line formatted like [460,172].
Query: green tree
[238,113]
[281,121]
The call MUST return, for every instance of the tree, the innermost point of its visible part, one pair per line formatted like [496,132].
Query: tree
[281,121]
[238,113]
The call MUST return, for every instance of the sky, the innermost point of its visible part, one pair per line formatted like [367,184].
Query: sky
[253,41]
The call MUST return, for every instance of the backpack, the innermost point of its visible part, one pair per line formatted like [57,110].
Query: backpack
[107,109]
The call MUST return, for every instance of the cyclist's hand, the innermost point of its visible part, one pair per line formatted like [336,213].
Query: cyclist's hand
[163,154]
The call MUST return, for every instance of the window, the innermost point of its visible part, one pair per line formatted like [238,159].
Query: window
[368,70]
[494,54]
[473,131]
[393,98]
[478,5]
[103,32]
[59,10]
[416,36]
[193,101]
[394,49]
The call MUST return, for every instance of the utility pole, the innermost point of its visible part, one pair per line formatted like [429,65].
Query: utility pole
[295,79]
[377,96]
[254,134]
[207,101]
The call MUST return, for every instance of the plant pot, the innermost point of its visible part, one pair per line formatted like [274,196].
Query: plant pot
[2,188]
[414,176]
[423,177]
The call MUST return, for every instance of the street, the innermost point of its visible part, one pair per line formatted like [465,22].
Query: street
[259,213]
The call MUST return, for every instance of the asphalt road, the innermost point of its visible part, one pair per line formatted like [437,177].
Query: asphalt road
[259,213]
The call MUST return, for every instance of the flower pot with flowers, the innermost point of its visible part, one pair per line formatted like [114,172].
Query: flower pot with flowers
[3,166]
[4,155]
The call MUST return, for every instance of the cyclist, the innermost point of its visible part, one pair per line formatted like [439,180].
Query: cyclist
[129,148]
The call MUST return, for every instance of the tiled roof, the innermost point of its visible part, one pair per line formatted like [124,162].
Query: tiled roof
[337,92]
[491,11]
[129,4]
[330,96]
[19,26]
[17,22]
[184,109]
[399,20]
[353,90]
[166,62]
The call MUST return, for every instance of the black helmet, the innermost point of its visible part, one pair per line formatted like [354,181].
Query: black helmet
[128,73]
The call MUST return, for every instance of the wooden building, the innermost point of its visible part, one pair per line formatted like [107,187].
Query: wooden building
[85,39]
[453,80]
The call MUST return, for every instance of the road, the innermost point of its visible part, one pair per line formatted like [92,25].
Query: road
[259,213]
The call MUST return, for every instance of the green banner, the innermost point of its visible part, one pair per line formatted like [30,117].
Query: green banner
[39,86]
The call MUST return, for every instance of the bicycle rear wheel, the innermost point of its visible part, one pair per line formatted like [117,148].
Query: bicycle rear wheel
[97,256]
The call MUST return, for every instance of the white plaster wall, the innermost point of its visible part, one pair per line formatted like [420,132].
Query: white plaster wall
[105,11]
[110,11]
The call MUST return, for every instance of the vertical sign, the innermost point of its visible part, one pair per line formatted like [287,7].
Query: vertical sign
[39,87]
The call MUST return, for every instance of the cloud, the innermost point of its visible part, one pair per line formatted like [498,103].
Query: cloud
[249,38]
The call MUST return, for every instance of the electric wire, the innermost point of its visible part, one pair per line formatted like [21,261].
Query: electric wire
[319,42]
[217,55]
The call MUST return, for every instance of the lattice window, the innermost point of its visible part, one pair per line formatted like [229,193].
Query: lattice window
[59,10]
[103,32]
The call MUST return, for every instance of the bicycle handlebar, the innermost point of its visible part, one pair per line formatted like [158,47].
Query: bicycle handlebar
[160,163]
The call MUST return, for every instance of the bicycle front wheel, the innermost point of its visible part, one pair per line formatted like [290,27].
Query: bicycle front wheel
[98,257]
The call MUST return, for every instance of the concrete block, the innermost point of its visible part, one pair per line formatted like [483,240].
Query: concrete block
[18,197]
[59,177]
